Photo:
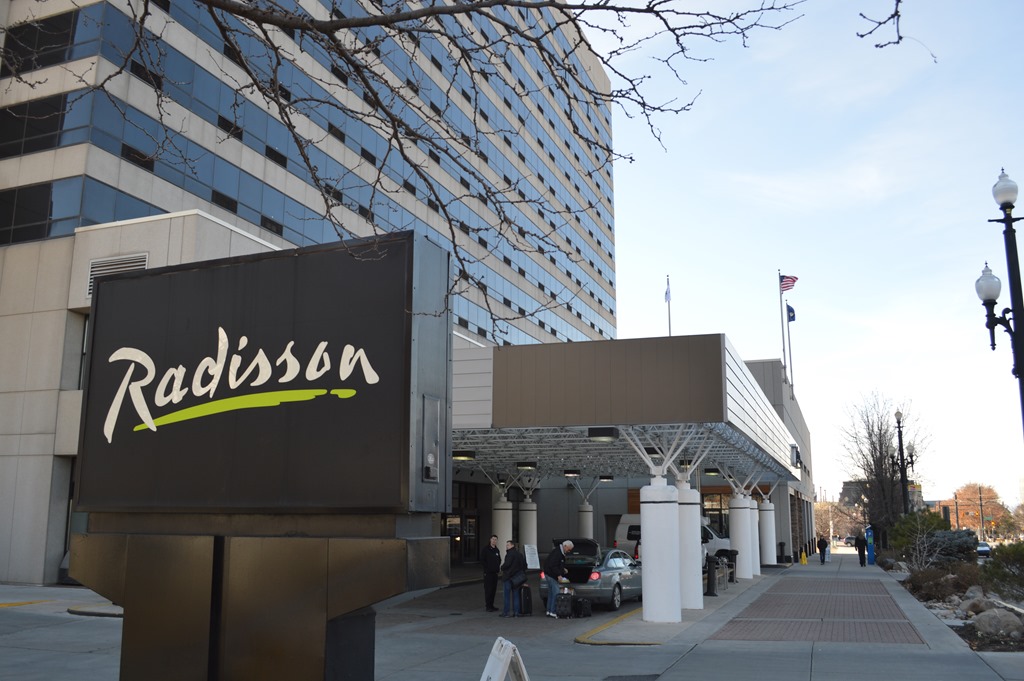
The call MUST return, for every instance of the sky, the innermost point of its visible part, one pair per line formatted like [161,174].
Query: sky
[867,174]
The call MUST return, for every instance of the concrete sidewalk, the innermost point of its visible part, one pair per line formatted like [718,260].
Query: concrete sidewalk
[805,622]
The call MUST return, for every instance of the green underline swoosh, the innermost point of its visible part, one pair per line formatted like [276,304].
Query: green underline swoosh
[270,399]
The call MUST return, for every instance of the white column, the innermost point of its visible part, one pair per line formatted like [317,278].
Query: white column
[755,539]
[739,535]
[766,525]
[659,525]
[528,523]
[501,520]
[691,591]
[585,521]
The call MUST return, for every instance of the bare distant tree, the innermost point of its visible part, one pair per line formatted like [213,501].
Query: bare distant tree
[870,441]
[357,53]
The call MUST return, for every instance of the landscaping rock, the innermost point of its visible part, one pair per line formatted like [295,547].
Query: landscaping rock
[977,605]
[998,622]
[974,592]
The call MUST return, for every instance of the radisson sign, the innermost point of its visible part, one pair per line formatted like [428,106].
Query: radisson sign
[310,380]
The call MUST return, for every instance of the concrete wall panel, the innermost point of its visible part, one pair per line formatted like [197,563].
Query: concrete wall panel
[647,380]
[69,416]
[40,412]
[15,339]
[28,529]
[46,347]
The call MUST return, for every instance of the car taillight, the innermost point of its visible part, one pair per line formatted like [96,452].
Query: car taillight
[595,576]
[615,544]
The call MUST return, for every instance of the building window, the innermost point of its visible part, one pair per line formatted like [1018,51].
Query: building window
[38,44]
[135,156]
[271,225]
[230,127]
[224,201]
[140,71]
[276,156]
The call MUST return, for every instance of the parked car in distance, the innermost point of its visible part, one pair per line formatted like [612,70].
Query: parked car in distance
[850,540]
[984,550]
[605,576]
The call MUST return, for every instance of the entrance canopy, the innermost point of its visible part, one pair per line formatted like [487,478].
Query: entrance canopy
[650,406]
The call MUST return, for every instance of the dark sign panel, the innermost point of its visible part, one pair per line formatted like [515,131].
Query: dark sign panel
[289,381]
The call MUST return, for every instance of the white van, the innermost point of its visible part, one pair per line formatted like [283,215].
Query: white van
[627,537]
[711,542]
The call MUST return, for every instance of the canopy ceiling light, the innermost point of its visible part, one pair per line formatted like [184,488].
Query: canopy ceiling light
[603,434]
[605,478]
[527,465]
[463,455]
[571,473]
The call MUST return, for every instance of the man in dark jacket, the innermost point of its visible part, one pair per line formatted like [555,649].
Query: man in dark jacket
[512,570]
[822,548]
[861,544]
[490,559]
[554,567]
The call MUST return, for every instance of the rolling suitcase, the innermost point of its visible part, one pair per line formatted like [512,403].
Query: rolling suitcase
[525,600]
[563,606]
[581,607]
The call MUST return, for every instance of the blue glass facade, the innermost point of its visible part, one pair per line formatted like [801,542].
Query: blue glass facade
[565,186]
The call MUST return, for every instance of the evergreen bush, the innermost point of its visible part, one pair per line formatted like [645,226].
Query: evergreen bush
[1003,572]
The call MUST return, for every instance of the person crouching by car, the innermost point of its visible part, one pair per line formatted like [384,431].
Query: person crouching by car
[513,574]
[554,567]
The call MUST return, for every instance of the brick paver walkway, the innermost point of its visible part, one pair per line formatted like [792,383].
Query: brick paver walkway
[822,609]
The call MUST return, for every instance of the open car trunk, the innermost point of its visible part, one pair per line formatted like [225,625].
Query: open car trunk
[581,561]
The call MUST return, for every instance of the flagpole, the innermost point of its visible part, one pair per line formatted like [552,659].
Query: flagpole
[668,303]
[792,382]
[782,323]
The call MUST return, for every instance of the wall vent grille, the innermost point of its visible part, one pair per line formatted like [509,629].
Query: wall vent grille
[101,267]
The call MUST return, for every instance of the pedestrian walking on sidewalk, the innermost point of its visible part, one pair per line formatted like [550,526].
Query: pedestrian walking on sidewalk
[513,574]
[861,544]
[822,547]
[490,559]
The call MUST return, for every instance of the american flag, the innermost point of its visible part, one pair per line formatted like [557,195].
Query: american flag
[786,282]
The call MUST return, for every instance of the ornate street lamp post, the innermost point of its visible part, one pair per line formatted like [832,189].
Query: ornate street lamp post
[904,488]
[988,285]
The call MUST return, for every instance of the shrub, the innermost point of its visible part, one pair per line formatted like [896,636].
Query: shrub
[957,546]
[1004,571]
[939,583]
[924,540]
[931,584]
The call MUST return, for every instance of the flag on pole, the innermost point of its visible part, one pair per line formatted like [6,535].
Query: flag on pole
[668,291]
[786,282]
[790,313]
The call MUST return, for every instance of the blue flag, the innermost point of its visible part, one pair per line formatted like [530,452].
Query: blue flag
[790,312]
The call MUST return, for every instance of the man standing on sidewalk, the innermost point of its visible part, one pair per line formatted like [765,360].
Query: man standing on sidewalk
[490,559]
[822,548]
